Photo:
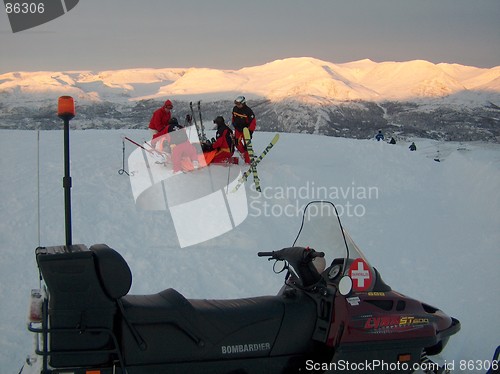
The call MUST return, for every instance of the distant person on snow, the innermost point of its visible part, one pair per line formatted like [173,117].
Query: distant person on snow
[413,147]
[392,141]
[243,116]
[160,120]
[379,136]
[223,144]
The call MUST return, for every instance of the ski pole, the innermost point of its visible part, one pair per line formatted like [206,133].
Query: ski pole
[135,143]
[153,152]
[122,170]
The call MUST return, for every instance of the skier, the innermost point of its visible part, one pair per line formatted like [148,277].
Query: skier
[180,147]
[392,141]
[243,116]
[223,144]
[413,147]
[379,136]
[159,121]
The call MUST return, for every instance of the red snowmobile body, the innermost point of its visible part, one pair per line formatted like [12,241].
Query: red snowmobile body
[333,313]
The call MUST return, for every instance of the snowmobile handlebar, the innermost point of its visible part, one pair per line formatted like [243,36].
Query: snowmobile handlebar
[300,259]
[287,253]
[265,254]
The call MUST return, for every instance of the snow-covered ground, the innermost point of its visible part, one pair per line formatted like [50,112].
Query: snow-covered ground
[430,228]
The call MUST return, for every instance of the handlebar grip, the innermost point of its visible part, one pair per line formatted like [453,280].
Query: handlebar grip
[265,254]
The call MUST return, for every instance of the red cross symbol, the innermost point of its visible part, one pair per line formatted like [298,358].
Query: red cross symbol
[360,275]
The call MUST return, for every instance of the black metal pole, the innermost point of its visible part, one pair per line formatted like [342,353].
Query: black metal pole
[66,111]
[67,184]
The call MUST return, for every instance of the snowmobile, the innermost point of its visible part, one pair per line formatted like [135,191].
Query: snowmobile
[333,313]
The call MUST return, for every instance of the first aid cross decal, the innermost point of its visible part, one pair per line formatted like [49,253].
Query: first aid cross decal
[360,274]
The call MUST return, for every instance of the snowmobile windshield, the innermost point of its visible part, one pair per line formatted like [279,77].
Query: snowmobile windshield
[322,230]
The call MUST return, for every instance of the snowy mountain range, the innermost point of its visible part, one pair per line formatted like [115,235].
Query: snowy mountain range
[413,98]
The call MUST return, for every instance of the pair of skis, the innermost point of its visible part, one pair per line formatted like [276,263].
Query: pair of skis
[254,161]
[200,129]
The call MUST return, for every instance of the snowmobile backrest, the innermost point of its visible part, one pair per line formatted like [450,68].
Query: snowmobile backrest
[82,308]
[71,278]
[113,271]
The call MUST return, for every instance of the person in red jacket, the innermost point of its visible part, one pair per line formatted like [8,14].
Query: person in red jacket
[159,121]
[243,116]
[181,147]
[223,144]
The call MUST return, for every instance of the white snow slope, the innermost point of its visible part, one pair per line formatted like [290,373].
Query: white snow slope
[430,228]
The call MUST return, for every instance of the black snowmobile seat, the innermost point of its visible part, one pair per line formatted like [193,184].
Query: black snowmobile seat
[176,329]
[193,326]
[211,318]
[167,327]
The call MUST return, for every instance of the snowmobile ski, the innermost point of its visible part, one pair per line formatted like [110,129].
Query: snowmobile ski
[246,174]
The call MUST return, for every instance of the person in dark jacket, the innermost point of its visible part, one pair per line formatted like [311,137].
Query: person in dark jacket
[379,136]
[413,147]
[223,144]
[243,116]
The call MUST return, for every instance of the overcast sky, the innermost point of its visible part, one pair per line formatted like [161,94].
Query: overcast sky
[231,34]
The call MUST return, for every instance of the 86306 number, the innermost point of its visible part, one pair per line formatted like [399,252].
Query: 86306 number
[25,8]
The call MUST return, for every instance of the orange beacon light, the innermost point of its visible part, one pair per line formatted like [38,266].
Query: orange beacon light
[66,107]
